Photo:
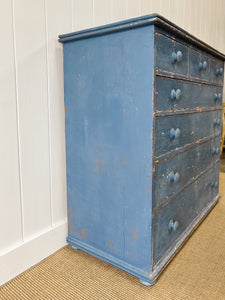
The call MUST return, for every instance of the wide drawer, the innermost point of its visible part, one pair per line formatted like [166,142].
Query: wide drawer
[172,174]
[172,220]
[176,131]
[171,56]
[172,95]
[204,67]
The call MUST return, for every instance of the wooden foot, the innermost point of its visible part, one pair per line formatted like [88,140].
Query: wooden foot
[146,283]
[74,248]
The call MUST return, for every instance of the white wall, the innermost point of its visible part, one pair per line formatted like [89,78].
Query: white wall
[32,153]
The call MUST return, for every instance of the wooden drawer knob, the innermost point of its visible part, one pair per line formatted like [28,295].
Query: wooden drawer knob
[177,57]
[175,94]
[214,184]
[174,133]
[217,96]
[174,177]
[216,122]
[173,225]
[202,66]
[215,150]
[219,71]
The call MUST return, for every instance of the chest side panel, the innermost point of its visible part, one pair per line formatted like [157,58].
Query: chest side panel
[108,97]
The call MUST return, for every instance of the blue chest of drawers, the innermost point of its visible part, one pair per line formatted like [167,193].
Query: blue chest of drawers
[143,103]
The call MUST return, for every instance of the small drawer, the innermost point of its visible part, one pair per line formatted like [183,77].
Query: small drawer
[200,66]
[174,173]
[176,131]
[205,68]
[171,56]
[218,72]
[176,94]
[171,221]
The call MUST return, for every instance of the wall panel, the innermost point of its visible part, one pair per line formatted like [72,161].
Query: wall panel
[82,14]
[57,21]
[30,38]
[102,12]
[118,10]
[133,8]
[10,206]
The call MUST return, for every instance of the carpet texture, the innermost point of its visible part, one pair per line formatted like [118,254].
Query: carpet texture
[197,272]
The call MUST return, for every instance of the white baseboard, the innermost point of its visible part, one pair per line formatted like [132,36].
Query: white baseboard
[25,255]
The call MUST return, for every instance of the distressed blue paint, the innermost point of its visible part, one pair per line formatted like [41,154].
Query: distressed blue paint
[188,164]
[193,127]
[137,180]
[184,208]
[202,96]
[108,129]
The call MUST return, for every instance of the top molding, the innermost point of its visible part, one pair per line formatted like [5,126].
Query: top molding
[153,19]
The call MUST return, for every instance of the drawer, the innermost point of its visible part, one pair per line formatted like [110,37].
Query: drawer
[171,221]
[207,187]
[176,131]
[204,67]
[218,70]
[182,211]
[171,56]
[174,94]
[172,174]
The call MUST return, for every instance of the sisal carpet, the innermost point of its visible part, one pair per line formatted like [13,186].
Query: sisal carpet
[197,272]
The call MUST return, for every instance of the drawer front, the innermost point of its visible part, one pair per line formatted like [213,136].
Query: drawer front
[174,94]
[218,70]
[171,56]
[171,221]
[172,174]
[178,130]
[204,67]
[207,187]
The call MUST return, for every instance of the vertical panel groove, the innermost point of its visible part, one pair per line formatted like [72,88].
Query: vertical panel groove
[93,12]
[72,13]
[49,114]
[126,8]
[111,10]
[18,123]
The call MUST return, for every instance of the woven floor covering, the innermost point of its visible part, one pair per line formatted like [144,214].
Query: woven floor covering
[197,272]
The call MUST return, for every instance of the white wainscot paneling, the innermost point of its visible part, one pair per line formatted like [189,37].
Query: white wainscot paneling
[82,14]
[102,12]
[118,10]
[30,47]
[133,8]
[57,13]
[10,209]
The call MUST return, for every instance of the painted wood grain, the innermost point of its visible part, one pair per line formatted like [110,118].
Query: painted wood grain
[10,206]
[30,43]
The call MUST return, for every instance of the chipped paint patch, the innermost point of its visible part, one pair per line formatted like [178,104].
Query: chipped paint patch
[99,163]
[148,190]
[70,219]
[111,246]
[83,233]
[123,162]
[135,234]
